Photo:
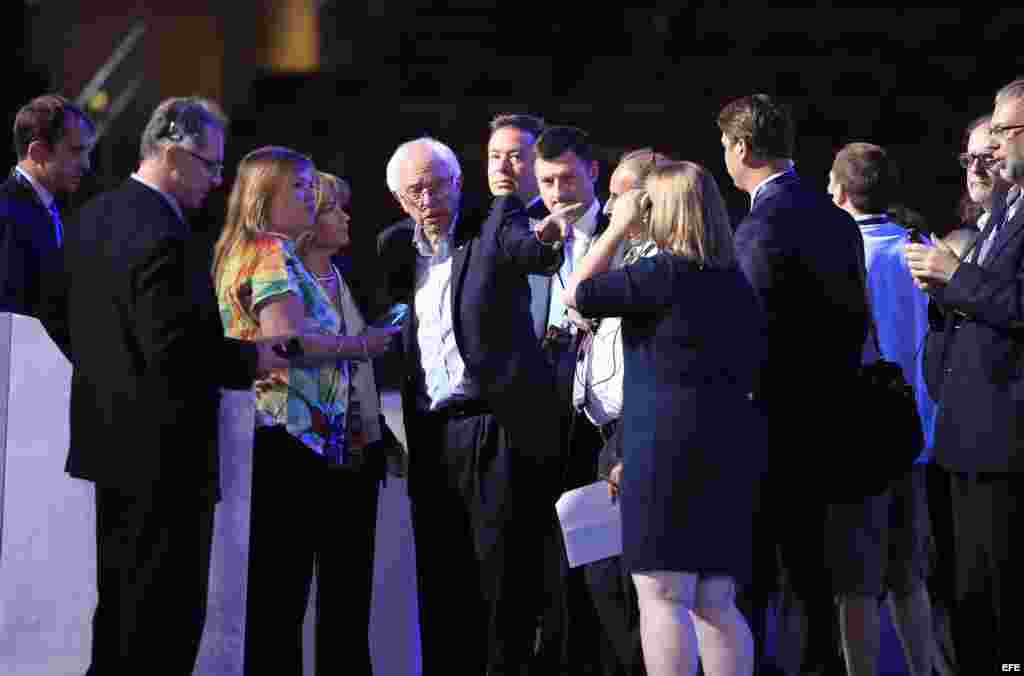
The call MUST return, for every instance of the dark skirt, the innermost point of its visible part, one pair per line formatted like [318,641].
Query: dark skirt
[691,487]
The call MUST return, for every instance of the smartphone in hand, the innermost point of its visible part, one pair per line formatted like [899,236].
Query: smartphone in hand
[394,317]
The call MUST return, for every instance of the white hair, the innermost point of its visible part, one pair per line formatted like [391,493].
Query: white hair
[1014,90]
[440,150]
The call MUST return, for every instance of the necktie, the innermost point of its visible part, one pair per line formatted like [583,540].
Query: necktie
[1012,204]
[556,309]
[58,228]
[987,244]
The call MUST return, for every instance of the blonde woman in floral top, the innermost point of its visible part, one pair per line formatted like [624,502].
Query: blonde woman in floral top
[264,290]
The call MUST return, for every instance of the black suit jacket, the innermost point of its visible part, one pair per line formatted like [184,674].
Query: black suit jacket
[150,351]
[804,257]
[31,264]
[491,316]
[978,366]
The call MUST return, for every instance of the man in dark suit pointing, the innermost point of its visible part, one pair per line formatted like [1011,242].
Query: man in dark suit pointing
[479,409]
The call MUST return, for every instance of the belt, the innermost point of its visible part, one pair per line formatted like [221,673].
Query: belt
[462,408]
[607,430]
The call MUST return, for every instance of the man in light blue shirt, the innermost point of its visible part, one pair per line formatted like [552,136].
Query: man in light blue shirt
[889,531]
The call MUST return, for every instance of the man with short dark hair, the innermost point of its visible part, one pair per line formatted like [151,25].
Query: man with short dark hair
[978,307]
[52,140]
[566,171]
[881,542]
[150,358]
[803,256]
[510,158]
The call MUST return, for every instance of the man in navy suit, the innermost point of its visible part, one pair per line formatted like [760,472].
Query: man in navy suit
[479,408]
[804,258]
[52,139]
[979,436]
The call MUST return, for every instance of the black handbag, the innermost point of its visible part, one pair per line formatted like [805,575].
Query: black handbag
[890,436]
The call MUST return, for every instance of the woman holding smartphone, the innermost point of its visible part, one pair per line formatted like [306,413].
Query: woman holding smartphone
[314,493]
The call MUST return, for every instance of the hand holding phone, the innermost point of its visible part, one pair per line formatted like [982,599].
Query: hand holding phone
[393,318]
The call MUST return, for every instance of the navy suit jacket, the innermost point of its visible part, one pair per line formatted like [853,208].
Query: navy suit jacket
[31,263]
[980,370]
[151,355]
[491,320]
[804,257]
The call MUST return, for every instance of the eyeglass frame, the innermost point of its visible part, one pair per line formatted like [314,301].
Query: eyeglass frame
[999,131]
[444,189]
[213,167]
[966,160]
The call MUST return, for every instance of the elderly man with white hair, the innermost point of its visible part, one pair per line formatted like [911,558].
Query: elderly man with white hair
[479,407]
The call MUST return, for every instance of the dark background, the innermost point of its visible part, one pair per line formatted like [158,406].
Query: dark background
[630,77]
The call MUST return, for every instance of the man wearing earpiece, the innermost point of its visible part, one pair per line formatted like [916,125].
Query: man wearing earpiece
[150,358]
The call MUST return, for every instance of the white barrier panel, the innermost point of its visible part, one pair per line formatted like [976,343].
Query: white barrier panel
[47,544]
[47,532]
[221,650]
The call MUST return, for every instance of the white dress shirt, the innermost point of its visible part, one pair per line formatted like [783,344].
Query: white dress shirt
[167,196]
[48,201]
[762,184]
[443,376]
[44,195]
[597,384]
[575,249]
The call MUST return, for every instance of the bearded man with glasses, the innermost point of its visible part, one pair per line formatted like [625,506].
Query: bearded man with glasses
[979,435]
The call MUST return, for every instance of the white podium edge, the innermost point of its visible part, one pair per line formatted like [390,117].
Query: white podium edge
[5,383]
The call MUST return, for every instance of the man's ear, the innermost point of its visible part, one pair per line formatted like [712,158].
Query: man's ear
[839,195]
[38,151]
[742,149]
[594,170]
[400,202]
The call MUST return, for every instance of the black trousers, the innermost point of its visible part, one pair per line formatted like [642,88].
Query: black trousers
[571,640]
[478,547]
[153,567]
[308,516]
[614,596]
[988,520]
[790,564]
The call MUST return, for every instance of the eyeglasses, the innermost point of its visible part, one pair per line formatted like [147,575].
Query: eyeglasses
[437,190]
[984,159]
[1000,132]
[213,167]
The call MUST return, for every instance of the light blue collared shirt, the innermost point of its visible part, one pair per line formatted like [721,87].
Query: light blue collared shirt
[900,311]
[443,376]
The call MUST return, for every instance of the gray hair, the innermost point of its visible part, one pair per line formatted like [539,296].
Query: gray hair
[1014,90]
[440,151]
[177,120]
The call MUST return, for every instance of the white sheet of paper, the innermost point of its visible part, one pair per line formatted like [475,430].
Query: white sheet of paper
[591,524]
